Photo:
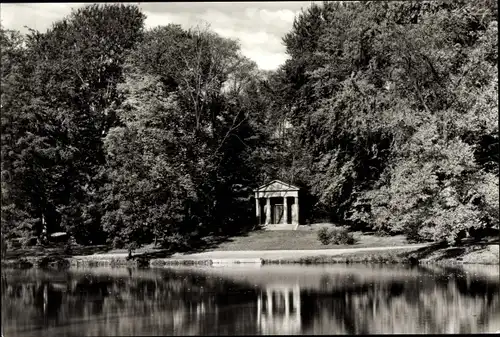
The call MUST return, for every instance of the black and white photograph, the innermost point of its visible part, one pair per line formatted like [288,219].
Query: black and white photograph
[249,168]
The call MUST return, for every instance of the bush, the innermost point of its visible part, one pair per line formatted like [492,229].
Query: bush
[336,236]
[176,242]
[341,236]
[118,243]
[68,249]
[324,236]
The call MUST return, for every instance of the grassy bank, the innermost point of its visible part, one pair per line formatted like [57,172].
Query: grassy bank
[306,237]
[486,252]
[394,256]
[303,239]
[62,262]
[474,254]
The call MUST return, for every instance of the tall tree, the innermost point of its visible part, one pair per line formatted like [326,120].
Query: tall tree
[71,74]
[380,104]
[18,215]
[186,125]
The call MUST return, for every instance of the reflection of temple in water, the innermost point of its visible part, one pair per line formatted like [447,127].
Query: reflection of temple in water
[278,310]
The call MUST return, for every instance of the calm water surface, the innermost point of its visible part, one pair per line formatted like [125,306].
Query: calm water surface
[335,299]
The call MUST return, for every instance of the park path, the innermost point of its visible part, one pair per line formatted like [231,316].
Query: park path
[283,254]
[265,254]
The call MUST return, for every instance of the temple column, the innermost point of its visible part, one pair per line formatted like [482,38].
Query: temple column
[257,208]
[268,211]
[295,210]
[285,206]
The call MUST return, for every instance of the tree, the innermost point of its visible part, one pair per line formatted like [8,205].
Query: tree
[17,212]
[176,163]
[395,106]
[69,85]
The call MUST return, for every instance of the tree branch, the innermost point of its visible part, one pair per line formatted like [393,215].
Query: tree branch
[231,129]
[419,95]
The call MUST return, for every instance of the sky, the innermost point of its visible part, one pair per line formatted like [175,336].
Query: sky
[259,26]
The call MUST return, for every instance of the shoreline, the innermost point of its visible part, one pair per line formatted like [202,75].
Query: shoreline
[426,255]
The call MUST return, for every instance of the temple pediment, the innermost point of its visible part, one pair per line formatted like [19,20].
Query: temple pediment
[277,186]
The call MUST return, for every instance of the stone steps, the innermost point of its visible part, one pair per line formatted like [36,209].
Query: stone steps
[281,227]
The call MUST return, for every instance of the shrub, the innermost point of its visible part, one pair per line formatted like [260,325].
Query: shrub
[341,236]
[142,262]
[176,242]
[336,236]
[68,249]
[324,236]
[118,243]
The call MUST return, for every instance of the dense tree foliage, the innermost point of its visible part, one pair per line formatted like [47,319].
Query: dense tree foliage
[397,105]
[57,103]
[180,161]
[386,113]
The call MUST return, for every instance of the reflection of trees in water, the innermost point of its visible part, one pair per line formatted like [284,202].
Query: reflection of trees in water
[183,302]
[449,303]
[335,310]
[171,302]
[37,303]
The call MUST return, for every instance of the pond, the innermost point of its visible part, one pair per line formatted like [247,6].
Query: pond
[335,299]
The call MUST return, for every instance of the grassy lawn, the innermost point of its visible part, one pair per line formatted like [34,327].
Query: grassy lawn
[305,238]
[257,240]
[302,240]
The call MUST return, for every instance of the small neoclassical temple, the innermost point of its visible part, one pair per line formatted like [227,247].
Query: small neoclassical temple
[277,205]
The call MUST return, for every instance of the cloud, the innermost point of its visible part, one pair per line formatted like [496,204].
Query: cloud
[33,15]
[259,26]
[252,40]
[280,17]
[161,19]
[266,60]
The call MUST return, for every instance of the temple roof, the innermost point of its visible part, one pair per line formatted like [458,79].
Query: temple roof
[275,186]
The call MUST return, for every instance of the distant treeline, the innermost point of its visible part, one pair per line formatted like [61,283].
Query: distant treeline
[386,114]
